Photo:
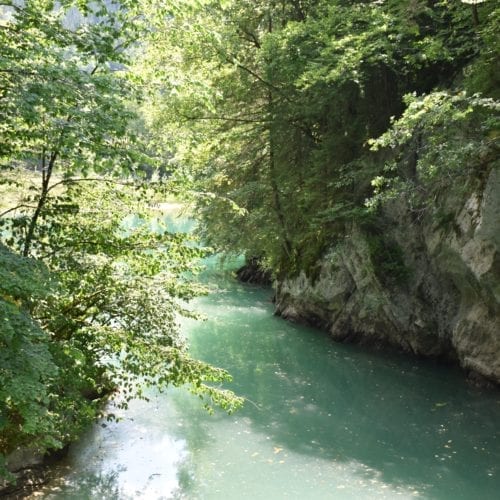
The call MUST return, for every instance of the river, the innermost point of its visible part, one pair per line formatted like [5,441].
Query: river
[321,421]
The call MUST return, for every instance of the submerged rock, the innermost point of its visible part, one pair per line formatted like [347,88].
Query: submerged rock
[429,285]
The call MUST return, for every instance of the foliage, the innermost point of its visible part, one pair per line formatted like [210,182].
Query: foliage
[120,289]
[443,139]
[61,92]
[270,106]
[388,260]
[87,303]
[482,74]
[26,364]
[109,320]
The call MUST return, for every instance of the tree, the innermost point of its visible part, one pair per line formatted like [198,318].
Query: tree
[457,145]
[26,364]
[91,303]
[473,4]
[64,99]
[277,101]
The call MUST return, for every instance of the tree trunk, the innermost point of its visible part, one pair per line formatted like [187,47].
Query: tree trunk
[475,15]
[46,176]
[287,245]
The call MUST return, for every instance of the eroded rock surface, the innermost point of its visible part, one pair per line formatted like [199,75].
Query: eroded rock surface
[446,303]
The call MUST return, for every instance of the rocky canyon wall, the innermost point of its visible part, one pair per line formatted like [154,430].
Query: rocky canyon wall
[427,283]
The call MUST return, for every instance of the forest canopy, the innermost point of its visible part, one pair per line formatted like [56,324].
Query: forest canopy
[272,108]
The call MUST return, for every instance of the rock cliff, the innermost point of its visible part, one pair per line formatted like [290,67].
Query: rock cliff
[428,284]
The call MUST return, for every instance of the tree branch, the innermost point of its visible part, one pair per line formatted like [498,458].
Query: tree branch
[234,60]
[224,118]
[89,179]
[250,37]
[15,208]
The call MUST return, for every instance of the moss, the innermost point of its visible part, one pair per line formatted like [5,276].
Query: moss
[388,260]
[446,221]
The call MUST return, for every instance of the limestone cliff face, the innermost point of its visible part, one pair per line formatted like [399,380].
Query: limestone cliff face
[447,301]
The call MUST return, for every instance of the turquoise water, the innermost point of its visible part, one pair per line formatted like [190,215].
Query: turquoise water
[322,421]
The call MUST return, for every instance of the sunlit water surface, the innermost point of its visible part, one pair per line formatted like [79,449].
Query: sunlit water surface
[322,421]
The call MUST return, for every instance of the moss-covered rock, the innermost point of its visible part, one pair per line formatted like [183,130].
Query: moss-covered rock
[447,306]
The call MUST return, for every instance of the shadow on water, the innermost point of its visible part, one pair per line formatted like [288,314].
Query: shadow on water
[330,415]
[92,486]
[407,423]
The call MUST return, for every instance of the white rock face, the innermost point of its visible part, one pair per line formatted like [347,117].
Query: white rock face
[448,306]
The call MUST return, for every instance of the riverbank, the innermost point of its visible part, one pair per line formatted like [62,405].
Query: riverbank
[56,352]
[427,286]
[322,420]
[30,470]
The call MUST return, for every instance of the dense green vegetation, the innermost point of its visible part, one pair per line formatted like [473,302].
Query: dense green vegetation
[89,302]
[287,121]
[281,104]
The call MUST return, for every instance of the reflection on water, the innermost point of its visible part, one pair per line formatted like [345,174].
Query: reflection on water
[134,458]
[322,421]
